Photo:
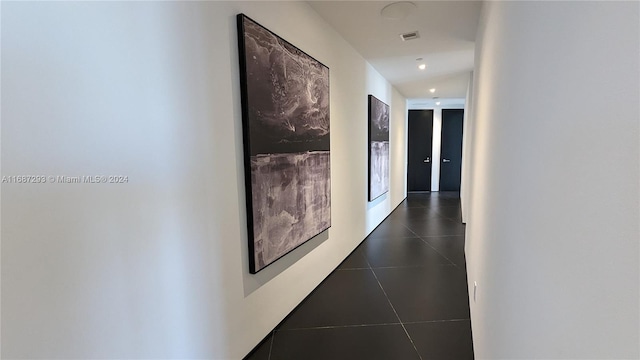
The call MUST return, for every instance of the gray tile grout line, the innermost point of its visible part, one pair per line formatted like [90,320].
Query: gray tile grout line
[339,326]
[436,211]
[390,237]
[437,214]
[436,250]
[396,267]
[391,304]
[446,217]
[408,266]
[434,321]
[393,308]
[428,236]
[415,236]
[273,335]
[441,254]
[401,323]
[370,325]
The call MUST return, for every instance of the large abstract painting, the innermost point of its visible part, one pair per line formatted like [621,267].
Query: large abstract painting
[378,148]
[285,116]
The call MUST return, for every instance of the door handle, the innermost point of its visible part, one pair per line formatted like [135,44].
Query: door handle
[428,159]
[446,160]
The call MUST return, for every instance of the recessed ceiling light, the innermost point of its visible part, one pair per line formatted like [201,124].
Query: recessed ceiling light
[432,90]
[422,66]
[437,102]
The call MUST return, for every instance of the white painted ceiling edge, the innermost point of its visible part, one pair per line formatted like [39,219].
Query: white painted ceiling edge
[422,104]
[446,43]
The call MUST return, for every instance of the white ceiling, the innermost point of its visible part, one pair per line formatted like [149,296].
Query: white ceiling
[447,33]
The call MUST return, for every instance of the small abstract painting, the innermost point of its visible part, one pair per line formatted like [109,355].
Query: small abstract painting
[285,118]
[378,148]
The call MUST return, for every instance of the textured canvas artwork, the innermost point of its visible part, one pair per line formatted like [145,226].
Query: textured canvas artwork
[378,148]
[285,113]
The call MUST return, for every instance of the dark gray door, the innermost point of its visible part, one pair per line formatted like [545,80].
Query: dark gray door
[451,153]
[419,152]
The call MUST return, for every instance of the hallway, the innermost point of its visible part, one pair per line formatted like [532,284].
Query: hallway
[401,294]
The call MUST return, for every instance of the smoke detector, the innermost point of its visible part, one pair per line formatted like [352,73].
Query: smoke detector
[398,10]
[410,35]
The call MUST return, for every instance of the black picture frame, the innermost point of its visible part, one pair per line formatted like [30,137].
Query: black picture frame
[378,148]
[286,123]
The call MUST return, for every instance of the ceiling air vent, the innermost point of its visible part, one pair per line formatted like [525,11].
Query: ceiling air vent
[410,36]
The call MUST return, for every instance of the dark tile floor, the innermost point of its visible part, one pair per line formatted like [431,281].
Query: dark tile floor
[402,294]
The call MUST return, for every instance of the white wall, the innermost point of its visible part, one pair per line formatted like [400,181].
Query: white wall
[157,267]
[466,151]
[552,239]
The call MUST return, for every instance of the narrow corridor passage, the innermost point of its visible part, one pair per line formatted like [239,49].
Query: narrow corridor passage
[402,294]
